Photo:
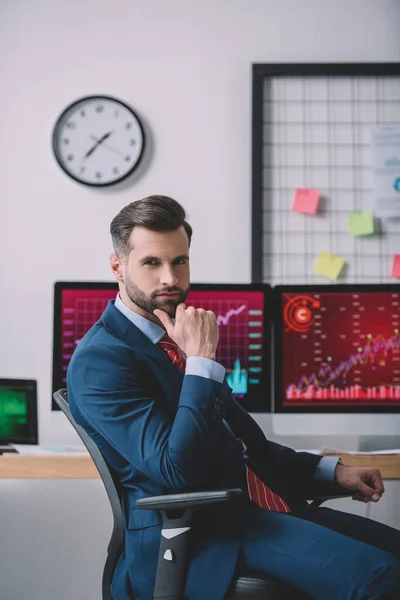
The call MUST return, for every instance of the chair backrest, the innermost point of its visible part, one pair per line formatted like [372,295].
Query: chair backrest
[116,544]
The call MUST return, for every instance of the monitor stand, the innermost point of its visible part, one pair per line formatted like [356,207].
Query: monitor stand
[373,443]
[8,449]
[366,424]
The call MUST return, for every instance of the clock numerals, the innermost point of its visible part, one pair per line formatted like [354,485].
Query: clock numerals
[70,157]
[128,126]
[100,108]
[128,158]
[115,170]
[66,141]
[132,142]
[83,169]
[99,175]
[83,112]
[71,124]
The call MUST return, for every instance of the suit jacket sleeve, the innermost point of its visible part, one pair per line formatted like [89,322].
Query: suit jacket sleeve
[118,401]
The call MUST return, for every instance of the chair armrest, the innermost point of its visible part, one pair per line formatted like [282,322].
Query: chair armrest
[177,512]
[188,500]
[328,490]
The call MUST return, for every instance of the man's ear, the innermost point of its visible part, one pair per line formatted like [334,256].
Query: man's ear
[117,267]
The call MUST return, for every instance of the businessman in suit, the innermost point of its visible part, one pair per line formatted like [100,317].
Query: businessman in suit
[145,384]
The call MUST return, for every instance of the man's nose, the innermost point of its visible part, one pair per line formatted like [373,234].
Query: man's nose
[168,277]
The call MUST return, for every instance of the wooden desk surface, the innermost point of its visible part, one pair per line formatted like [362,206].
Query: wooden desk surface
[389,464]
[54,466]
[82,467]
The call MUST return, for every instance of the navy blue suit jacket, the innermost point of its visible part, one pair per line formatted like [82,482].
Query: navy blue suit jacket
[163,432]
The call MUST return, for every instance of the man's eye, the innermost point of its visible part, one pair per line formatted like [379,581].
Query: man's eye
[150,262]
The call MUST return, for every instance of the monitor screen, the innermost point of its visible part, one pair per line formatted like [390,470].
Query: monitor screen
[242,312]
[337,348]
[18,411]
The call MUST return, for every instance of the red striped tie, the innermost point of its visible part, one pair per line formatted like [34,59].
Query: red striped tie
[262,495]
[259,493]
[173,352]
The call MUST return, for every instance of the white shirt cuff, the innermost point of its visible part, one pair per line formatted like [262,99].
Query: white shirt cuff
[325,470]
[205,367]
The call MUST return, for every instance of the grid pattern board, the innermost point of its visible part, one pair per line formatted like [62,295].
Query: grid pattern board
[317,134]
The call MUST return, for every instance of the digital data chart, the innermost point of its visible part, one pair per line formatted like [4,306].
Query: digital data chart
[240,321]
[341,349]
[80,309]
[240,318]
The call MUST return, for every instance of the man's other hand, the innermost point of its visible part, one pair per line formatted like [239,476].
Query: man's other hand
[365,482]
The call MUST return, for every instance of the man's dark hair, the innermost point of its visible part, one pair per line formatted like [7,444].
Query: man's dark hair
[156,213]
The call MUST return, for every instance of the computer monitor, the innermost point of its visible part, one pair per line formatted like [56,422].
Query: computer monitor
[243,315]
[18,411]
[336,355]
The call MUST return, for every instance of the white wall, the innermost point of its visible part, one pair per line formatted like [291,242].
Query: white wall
[185,66]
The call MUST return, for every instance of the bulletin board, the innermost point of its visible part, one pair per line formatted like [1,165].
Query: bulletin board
[311,128]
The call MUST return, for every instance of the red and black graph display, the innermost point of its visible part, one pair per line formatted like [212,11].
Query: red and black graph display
[240,318]
[80,309]
[341,349]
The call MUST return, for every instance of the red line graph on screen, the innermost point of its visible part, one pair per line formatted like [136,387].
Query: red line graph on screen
[327,374]
[224,319]
[237,324]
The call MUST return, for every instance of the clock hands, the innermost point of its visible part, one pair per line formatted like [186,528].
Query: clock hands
[108,147]
[98,142]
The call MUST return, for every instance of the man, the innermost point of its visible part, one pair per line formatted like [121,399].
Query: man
[165,426]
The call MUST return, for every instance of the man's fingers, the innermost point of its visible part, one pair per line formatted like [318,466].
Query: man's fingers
[358,497]
[164,318]
[181,307]
[368,493]
[376,482]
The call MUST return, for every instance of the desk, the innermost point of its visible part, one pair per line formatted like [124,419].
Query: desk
[389,464]
[82,467]
[76,466]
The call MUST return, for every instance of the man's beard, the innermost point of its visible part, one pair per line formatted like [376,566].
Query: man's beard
[150,303]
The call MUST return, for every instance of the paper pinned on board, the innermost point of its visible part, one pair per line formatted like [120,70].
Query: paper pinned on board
[386,169]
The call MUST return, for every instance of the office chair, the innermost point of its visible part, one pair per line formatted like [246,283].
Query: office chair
[172,563]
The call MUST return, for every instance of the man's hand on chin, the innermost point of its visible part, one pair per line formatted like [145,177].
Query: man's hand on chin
[365,483]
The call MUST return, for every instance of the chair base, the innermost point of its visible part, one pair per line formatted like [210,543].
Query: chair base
[253,586]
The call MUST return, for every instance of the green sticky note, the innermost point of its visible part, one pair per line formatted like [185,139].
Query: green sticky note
[361,222]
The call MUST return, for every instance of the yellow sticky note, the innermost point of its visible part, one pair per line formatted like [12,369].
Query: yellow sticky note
[328,265]
[361,222]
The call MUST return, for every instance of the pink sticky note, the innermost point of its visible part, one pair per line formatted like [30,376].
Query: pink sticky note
[396,266]
[306,201]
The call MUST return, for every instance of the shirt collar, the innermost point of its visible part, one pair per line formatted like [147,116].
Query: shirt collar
[151,330]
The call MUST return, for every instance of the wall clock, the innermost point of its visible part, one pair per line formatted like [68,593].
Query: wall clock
[98,140]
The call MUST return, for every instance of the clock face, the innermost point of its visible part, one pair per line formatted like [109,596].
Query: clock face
[98,140]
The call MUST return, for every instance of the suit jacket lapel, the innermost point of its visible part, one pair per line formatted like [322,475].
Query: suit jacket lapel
[119,326]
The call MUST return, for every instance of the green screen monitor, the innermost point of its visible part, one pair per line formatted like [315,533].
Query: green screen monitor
[18,411]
